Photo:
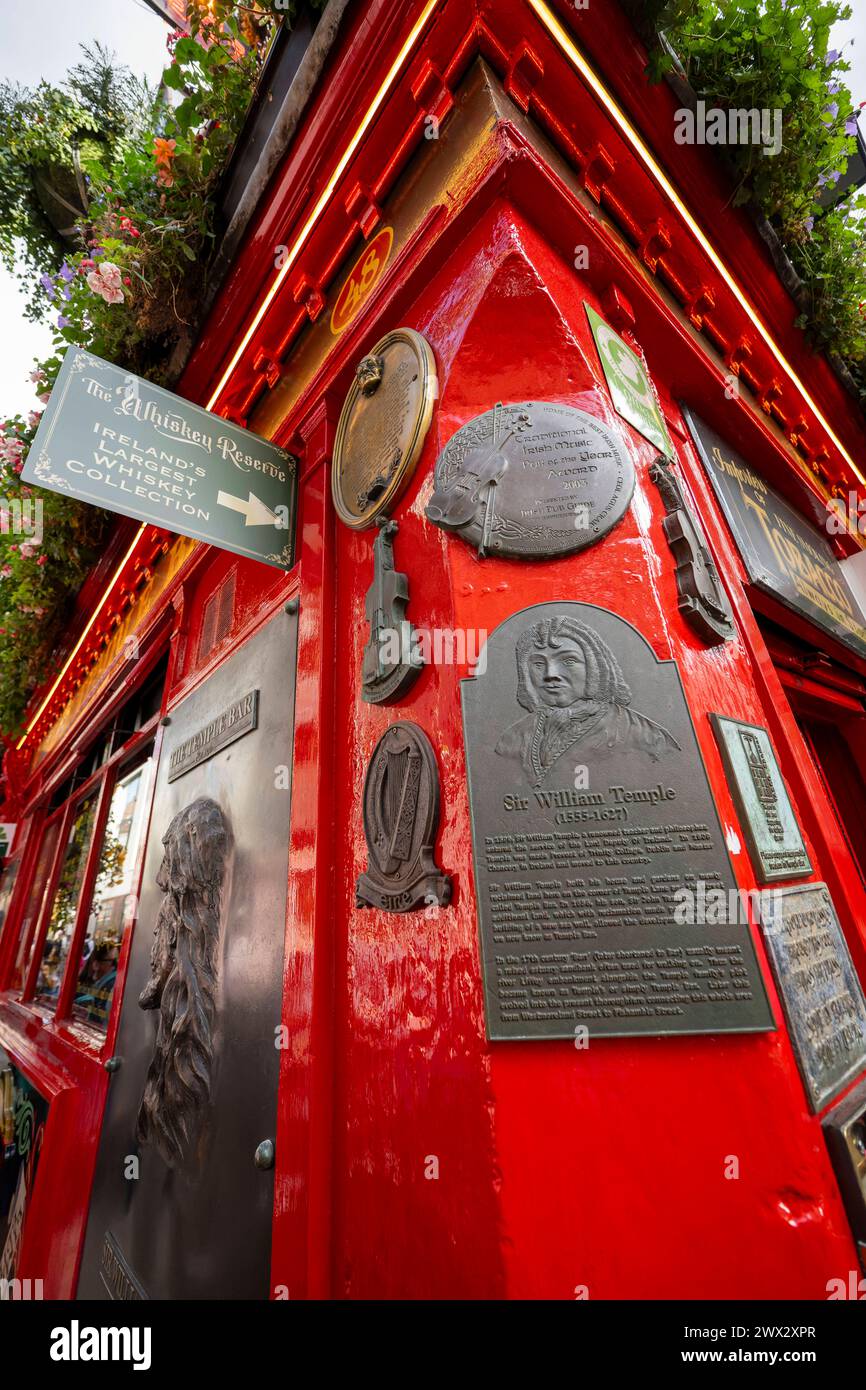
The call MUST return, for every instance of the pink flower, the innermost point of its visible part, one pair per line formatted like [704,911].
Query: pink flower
[11,450]
[105,281]
[33,419]
[37,376]
[43,560]
[45,397]
[110,273]
[6,572]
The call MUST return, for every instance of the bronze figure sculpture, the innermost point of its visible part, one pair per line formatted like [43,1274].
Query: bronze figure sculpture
[183,982]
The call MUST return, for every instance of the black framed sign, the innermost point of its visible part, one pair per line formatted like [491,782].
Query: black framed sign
[784,553]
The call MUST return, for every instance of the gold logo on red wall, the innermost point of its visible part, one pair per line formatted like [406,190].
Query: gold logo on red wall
[362,277]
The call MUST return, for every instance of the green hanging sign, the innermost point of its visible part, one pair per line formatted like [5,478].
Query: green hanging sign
[119,442]
[629,385]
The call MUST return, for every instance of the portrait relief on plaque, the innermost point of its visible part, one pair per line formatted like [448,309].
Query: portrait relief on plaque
[532,480]
[576,696]
[382,427]
[596,841]
[182,985]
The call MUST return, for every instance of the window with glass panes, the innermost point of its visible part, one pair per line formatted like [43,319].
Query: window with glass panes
[82,896]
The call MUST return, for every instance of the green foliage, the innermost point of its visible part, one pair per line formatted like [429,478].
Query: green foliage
[150,218]
[44,559]
[123,278]
[775,55]
[52,141]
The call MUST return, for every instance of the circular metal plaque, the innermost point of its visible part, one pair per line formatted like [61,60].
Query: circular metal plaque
[382,427]
[532,480]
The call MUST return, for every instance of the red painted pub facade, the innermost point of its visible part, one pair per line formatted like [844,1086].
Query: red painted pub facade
[509,167]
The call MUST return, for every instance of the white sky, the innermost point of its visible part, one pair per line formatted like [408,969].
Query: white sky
[41,38]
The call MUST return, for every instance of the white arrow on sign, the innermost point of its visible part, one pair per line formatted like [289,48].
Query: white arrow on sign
[254,512]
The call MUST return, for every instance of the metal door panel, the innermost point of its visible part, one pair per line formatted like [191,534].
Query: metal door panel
[196,1221]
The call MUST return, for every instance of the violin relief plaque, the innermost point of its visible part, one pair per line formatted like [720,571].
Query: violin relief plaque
[532,480]
[606,899]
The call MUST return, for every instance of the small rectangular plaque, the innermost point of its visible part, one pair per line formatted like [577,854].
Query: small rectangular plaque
[240,718]
[820,991]
[761,799]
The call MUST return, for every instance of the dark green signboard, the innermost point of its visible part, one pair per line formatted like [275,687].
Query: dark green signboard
[784,554]
[115,440]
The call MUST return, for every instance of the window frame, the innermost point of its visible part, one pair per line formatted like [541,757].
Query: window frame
[133,757]
[101,780]
[21,932]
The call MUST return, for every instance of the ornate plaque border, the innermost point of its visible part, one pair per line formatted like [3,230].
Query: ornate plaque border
[429,390]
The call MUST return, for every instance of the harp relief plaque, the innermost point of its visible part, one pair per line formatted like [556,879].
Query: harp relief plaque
[183,983]
[401,815]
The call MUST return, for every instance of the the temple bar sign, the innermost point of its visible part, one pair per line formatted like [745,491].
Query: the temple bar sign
[784,554]
[119,442]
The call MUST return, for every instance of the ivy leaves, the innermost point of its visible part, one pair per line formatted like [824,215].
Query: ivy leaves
[775,55]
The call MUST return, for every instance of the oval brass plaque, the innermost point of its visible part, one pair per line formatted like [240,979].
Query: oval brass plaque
[382,427]
[533,480]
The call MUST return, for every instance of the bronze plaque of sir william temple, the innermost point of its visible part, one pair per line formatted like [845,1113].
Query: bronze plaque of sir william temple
[596,841]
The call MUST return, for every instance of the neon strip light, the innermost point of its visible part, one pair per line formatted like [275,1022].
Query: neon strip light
[576,58]
[369,116]
[94,615]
